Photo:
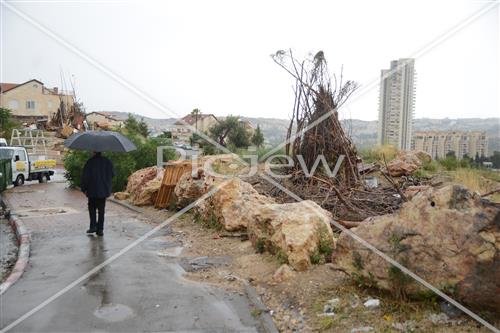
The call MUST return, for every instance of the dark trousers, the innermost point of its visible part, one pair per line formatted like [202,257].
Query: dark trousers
[97,204]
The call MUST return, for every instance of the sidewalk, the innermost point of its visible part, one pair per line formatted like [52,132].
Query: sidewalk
[140,291]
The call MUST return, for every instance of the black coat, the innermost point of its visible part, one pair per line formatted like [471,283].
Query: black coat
[96,178]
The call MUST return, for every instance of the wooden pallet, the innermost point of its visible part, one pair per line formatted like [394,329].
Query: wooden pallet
[173,172]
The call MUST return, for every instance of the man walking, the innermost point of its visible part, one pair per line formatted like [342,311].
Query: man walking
[96,184]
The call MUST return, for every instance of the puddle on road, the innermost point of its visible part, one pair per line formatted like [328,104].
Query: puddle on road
[170,251]
[202,263]
[113,312]
[51,211]
[159,243]
[29,191]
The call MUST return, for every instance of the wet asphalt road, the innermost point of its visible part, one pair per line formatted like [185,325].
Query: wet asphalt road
[139,292]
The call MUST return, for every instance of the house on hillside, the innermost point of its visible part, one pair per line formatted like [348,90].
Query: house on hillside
[104,120]
[247,125]
[32,101]
[184,128]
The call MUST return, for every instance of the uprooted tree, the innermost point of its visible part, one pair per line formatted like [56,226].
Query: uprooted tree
[315,128]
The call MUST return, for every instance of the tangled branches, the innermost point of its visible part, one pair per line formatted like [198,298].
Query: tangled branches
[314,133]
[318,131]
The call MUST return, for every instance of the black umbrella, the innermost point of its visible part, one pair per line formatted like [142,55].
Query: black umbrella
[100,141]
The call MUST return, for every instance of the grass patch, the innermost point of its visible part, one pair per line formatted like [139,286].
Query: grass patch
[210,223]
[282,257]
[260,245]
[256,313]
[326,323]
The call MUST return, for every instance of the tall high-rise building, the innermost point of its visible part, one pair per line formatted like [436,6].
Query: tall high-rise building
[397,104]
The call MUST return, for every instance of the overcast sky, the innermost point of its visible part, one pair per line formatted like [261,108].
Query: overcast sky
[162,59]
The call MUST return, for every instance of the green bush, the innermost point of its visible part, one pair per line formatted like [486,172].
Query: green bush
[432,166]
[449,163]
[74,161]
[7,123]
[124,163]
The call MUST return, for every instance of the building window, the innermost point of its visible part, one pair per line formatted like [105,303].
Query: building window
[30,104]
[13,104]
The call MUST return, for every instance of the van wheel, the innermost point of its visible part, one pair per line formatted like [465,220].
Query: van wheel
[19,180]
[43,178]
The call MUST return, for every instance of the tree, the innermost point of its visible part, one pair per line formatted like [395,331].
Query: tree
[258,137]
[220,131]
[165,135]
[7,124]
[495,159]
[135,127]
[239,137]
[143,128]
[195,113]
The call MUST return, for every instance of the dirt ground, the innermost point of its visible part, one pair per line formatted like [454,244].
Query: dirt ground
[8,249]
[298,303]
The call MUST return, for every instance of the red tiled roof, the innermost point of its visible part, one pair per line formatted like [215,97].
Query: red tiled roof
[7,86]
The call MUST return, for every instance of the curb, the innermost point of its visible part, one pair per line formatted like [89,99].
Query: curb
[264,316]
[133,208]
[23,239]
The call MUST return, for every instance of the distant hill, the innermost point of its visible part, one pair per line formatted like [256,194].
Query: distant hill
[363,133]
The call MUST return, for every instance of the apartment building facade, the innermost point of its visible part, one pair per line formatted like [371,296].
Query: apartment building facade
[31,100]
[441,143]
[397,104]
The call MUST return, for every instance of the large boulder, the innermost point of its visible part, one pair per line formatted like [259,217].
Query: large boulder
[450,237]
[294,231]
[144,185]
[149,192]
[233,205]
[138,179]
[191,187]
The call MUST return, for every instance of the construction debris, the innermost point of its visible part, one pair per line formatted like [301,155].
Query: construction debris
[172,173]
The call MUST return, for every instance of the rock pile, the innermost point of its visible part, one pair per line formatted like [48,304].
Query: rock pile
[299,233]
[190,187]
[407,162]
[450,237]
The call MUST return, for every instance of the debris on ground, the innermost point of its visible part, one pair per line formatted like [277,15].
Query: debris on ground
[283,273]
[372,303]
[362,329]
